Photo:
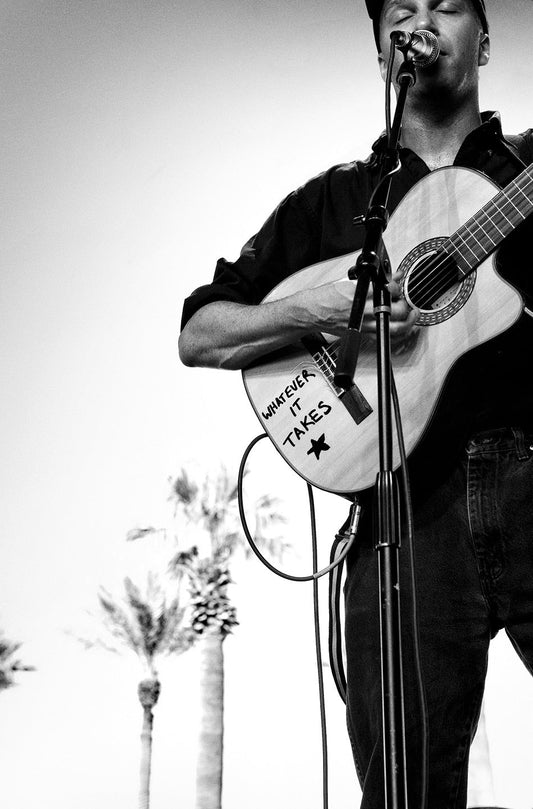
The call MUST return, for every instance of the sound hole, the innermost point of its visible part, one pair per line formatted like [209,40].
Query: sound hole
[432,283]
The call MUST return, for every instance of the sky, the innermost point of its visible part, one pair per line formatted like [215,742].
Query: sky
[140,141]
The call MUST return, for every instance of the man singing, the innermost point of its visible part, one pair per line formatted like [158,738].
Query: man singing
[472,475]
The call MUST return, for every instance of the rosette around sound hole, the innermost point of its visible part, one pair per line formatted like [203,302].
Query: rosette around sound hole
[432,283]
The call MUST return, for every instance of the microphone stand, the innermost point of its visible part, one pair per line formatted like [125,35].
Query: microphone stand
[372,266]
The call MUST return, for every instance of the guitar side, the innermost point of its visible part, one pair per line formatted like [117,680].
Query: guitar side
[297,403]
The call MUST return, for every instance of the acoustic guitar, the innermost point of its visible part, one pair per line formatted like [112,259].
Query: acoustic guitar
[441,240]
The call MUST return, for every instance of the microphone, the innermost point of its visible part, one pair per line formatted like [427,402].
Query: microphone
[420,46]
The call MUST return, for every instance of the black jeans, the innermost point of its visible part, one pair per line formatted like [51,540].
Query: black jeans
[474,555]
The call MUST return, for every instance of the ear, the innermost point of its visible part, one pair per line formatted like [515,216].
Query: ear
[484,49]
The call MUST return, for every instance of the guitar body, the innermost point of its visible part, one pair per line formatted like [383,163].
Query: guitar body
[333,442]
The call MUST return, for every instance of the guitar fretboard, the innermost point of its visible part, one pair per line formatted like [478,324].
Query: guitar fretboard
[483,232]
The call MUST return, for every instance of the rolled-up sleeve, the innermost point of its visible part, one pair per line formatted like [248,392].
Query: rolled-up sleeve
[287,242]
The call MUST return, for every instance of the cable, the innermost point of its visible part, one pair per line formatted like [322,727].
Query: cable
[318,647]
[313,576]
[316,608]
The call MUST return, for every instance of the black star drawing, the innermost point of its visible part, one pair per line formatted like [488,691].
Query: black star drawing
[318,446]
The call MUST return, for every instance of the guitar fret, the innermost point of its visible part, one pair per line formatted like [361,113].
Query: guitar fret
[516,208]
[465,242]
[522,207]
[476,239]
[493,223]
[487,229]
[516,193]
[504,216]
[516,184]
[524,199]
[473,235]
[514,216]
[480,233]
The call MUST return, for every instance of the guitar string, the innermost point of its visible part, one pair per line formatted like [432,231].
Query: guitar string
[441,271]
[471,226]
[325,360]
[444,264]
[447,271]
[430,285]
[511,203]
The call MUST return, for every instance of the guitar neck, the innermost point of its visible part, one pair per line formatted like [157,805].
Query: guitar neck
[483,232]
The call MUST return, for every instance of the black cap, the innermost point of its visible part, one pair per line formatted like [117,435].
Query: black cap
[374,12]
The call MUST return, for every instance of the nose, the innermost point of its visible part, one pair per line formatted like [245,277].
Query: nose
[427,20]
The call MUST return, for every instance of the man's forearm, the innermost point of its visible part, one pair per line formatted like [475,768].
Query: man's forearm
[231,335]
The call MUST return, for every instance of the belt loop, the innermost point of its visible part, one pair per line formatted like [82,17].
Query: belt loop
[523,450]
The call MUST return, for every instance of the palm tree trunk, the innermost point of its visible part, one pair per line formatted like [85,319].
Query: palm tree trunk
[146,759]
[148,692]
[209,769]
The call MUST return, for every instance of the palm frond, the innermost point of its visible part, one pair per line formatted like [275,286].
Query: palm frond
[8,666]
[144,617]
[143,621]
[140,533]
[212,507]
[118,622]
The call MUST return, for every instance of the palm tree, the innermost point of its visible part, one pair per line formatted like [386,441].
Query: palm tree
[8,666]
[209,508]
[148,626]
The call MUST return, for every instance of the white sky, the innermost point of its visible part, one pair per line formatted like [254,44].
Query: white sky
[140,141]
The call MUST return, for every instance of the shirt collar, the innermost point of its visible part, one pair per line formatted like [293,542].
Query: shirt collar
[489,129]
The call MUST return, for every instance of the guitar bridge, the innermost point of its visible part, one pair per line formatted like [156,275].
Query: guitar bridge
[325,358]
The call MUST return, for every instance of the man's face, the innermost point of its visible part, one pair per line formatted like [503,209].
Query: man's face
[455,23]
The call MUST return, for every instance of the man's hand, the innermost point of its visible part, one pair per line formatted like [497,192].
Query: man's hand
[330,306]
[403,326]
